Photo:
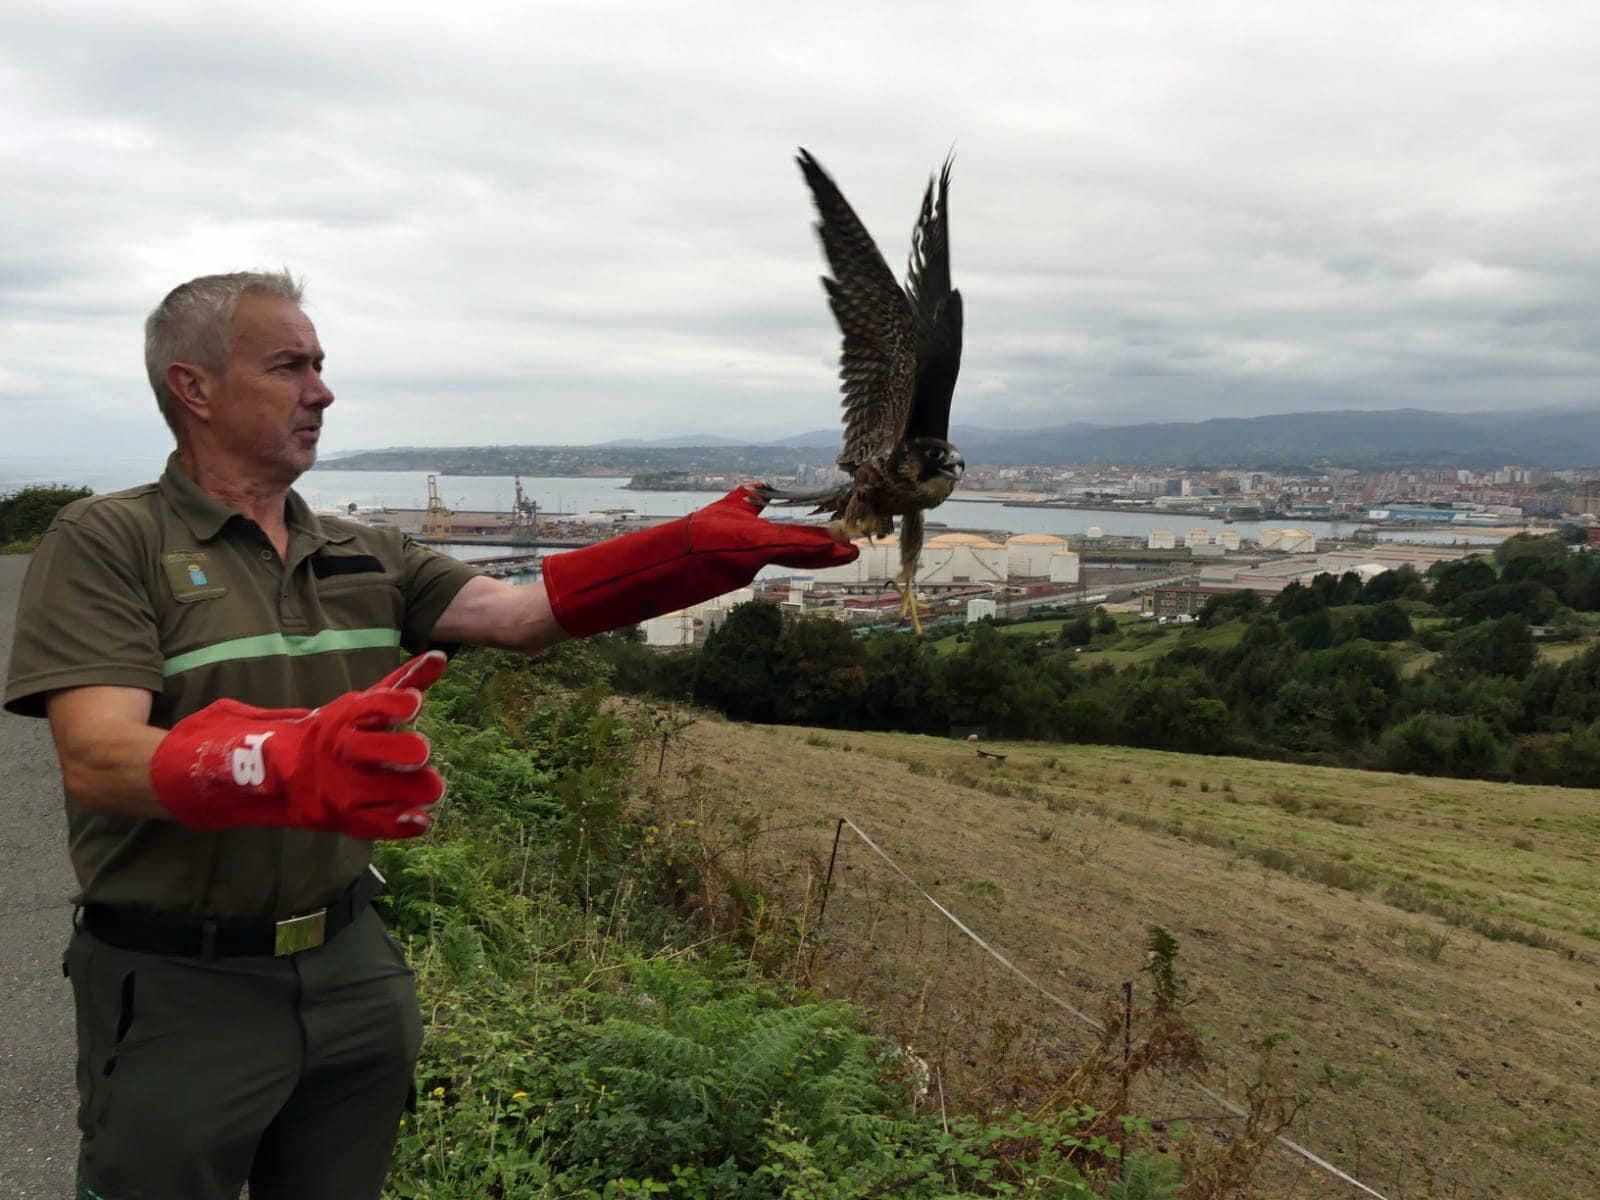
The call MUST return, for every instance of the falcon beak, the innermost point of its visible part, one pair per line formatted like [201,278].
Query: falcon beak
[953,467]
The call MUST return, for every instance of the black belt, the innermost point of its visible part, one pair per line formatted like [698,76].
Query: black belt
[150,933]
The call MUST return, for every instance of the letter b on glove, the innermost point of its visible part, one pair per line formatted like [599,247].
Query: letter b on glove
[250,762]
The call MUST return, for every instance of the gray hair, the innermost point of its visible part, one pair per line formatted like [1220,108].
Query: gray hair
[194,324]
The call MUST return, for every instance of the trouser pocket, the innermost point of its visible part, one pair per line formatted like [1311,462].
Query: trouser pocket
[105,1004]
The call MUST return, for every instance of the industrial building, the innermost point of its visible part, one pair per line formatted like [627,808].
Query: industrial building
[1184,599]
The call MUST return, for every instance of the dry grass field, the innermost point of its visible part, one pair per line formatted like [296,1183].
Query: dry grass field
[1427,951]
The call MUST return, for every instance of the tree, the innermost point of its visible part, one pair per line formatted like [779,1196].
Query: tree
[1386,622]
[1225,606]
[1504,648]
[1455,579]
[1532,601]
[734,672]
[903,691]
[1202,727]
[1297,600]
[1314,632]
[1434,744]
[1526,547]
[1077,633]
[819,674]
[1402,583]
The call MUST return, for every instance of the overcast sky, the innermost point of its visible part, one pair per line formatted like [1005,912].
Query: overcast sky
[575,222]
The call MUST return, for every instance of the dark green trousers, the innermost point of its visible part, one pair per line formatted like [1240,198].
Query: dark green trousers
[289,1073]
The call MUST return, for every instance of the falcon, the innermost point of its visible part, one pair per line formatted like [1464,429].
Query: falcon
[898,364]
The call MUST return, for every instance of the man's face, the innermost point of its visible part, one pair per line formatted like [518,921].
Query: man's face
[267,409]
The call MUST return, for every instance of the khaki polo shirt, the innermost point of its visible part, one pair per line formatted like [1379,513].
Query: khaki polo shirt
[165,588]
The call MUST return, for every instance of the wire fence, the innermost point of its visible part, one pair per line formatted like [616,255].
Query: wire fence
[960,1018]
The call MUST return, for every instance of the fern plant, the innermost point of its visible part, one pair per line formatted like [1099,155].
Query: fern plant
[1145,1177]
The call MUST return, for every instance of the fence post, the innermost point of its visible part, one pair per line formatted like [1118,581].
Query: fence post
[827,884]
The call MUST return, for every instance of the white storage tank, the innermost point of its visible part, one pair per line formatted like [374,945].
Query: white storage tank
[1064,567]
[1228,539]
[722,604]
[1298,541]
[872,562]
[1094,533]
[1162,539]
[670,629]
[977,610]
[1270,539]
[1197,536]
[962,558]
[1028,554]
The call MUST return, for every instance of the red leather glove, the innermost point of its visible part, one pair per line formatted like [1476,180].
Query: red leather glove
[341,767]
[667,567]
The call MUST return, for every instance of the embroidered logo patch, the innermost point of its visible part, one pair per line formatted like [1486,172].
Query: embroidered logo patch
[192,575]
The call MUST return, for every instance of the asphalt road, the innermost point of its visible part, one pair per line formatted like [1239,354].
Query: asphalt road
[38,1131]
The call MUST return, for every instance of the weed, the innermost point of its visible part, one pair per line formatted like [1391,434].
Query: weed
[1426,944]
[1340,812]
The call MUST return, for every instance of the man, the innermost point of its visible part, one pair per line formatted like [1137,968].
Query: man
[222,674]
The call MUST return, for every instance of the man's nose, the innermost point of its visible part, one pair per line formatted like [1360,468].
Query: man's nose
[320,395]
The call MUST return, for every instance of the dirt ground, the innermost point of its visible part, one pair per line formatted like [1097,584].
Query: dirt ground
[1424,949]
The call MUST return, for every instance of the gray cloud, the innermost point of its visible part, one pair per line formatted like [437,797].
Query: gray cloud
[576,222]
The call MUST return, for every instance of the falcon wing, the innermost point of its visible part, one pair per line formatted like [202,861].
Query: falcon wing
[877,365]
[938,314]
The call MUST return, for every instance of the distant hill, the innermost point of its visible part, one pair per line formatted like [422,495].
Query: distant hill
[1366,440]
[1359,439]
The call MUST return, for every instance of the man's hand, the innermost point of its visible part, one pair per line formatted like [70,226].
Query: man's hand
[696,558]
[342,767]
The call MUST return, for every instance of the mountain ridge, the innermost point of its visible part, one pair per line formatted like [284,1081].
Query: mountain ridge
[1370,439]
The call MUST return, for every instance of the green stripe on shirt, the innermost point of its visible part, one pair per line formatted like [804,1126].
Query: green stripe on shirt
[267,645]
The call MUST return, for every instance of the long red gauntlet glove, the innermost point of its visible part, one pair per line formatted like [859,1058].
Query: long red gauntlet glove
[695,558]
[342,767]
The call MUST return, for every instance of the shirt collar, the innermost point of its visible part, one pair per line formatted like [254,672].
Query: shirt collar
[302,520]
[205,515]
[202,512]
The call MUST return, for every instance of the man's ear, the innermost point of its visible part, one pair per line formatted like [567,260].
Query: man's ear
[192,385]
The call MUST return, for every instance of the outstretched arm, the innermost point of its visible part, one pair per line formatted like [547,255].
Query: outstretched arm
[491,612]
[627,579]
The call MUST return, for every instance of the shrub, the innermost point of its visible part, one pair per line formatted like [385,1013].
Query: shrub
[27,512]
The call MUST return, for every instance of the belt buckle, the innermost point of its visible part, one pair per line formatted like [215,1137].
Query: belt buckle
[305,932]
